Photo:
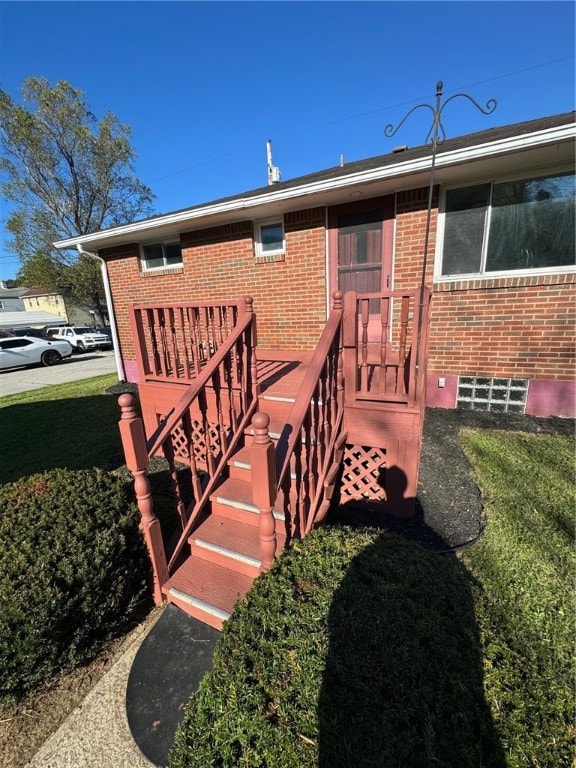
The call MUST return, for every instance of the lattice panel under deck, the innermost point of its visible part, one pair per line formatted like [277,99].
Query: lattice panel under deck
[197,441]
[363,469]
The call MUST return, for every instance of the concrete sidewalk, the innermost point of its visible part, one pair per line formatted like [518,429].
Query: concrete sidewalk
[96,733]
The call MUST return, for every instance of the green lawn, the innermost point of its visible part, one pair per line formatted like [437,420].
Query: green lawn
[72,425]
[524,568]
[362,649]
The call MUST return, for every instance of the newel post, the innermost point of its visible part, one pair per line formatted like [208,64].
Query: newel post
[136,454]
[252,344]
[264,487]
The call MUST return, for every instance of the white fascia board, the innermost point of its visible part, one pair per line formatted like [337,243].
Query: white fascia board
[456,157]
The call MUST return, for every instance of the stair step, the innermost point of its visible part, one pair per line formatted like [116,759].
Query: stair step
[230,543]
[241,465]
[233,500]
[206,591]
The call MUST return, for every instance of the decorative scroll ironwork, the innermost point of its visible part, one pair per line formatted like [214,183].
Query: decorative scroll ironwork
[433,137]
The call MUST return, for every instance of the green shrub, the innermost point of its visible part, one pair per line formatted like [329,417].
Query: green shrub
[73,572]
[358,649]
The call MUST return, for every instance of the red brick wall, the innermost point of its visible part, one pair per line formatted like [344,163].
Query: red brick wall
[220,263]
[515,327]
[521,327]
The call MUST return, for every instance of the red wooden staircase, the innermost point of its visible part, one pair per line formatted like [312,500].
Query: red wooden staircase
[268,439]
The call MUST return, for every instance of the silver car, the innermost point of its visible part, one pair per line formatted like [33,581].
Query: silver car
[20,351]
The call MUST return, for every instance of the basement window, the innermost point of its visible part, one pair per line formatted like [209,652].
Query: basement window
[161,256]
[487,393]
[270,239]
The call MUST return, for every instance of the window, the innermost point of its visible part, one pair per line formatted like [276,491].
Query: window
[503,227]
[269,238]
[14,343]
[161,255]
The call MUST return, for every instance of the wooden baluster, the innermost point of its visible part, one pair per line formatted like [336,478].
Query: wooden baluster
[213,341]
[175,366]
[194,340]
[194,476]
[151,328]
[168,451]
[220,415]
[402,346]
[136,454]
[203,403]
[384,315]
[184,342]
[364,316]
[264,487]
[204,332]
[160,334]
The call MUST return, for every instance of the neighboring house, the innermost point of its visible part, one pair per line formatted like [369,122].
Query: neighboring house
[73,313]
[501,262]
[11,298]
[43,300]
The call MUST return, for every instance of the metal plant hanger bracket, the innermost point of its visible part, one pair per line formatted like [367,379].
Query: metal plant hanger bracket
[435,135]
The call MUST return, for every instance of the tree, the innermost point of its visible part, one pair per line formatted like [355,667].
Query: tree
[66,174]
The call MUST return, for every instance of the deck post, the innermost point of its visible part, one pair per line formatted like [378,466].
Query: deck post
[136,454]
[264,487]
[252,344]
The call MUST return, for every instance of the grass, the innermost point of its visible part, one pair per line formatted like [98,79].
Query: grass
[73,425]
[524,568]
[359,648]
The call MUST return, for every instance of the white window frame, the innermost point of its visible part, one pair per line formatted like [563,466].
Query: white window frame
[482,274]
[164,266]
[259,225]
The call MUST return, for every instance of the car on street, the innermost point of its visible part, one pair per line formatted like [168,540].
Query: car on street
[21,351]
[81,337]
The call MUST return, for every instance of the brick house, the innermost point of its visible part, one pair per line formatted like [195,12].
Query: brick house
[310,390]
[502,332]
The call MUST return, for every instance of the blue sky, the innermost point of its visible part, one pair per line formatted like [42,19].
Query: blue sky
[203,85]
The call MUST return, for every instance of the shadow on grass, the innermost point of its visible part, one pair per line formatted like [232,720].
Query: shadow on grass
[403,681]
[77,433]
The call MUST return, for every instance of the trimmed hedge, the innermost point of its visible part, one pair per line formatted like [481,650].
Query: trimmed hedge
[358,648]
[73,572]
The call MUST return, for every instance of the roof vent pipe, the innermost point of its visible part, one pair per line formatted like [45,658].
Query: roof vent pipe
[273,170]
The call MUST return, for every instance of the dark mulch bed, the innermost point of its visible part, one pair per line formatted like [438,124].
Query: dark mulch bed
[449,512]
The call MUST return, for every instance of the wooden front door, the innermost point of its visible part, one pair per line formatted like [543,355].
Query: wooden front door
[360,245]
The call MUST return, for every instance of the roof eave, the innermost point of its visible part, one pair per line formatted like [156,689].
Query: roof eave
[111,237]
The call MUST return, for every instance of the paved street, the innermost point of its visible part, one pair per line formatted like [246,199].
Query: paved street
[77,367]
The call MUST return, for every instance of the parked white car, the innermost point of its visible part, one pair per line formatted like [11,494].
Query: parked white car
[20,351]
[81,337]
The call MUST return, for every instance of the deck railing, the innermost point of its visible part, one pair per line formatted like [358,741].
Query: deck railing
[383,334]
[310,448]
[200,433]
[174,342]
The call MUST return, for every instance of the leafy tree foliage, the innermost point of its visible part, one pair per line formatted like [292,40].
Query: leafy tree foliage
[66,174]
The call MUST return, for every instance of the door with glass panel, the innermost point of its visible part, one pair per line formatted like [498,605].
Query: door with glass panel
[360,246]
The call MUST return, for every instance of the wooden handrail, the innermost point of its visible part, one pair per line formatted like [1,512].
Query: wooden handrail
[302,402]
[313,432]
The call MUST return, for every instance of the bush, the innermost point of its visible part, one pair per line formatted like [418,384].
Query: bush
[73,572]
[358,648]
